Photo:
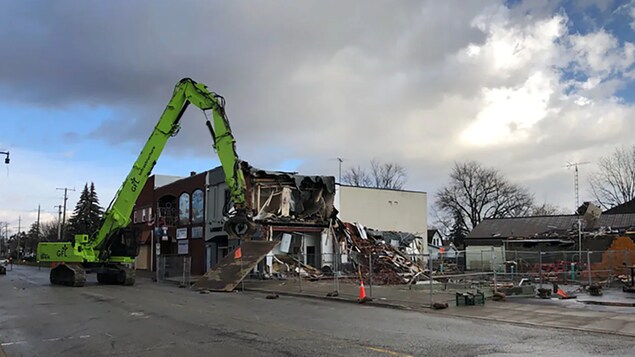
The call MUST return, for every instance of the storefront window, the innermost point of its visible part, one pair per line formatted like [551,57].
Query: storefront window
[197,206]
[184,208]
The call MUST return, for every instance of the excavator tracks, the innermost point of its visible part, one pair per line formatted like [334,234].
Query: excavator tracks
[68,275]
[117,275]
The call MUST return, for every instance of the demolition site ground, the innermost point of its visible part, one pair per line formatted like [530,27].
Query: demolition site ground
[150,319]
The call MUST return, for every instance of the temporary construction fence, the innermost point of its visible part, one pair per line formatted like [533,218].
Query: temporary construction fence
[422,278]
[174,268]
[584,268]
[396,278]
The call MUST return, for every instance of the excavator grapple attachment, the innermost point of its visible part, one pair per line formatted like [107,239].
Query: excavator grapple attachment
[240,226]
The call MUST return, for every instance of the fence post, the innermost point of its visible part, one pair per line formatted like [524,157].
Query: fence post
[430,276]
[336,264]
[588,263]
[370,272]
[494,267]
[183,275]
[611,259]
[299,277]
[540,264]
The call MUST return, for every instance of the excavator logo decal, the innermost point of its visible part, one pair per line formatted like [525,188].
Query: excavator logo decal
[135,183]
[62,252]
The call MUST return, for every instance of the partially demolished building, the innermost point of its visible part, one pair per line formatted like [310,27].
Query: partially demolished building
[299,212]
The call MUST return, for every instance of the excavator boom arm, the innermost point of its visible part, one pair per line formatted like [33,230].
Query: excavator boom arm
[186,91]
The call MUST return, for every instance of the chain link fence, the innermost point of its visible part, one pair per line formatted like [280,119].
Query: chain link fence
[427,278]
[175,268]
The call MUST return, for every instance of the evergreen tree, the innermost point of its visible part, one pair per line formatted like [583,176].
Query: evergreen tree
[458,232]
[33,237]
[86,217]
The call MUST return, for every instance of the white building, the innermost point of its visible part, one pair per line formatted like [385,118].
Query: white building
[385,209]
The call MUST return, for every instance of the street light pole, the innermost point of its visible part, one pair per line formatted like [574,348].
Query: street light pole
[6,158]
[340,169]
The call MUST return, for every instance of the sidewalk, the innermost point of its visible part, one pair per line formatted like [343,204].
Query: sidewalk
[566,314]
[535,312]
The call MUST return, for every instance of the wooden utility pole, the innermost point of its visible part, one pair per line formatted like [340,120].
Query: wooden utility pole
[59,222]
[66,189]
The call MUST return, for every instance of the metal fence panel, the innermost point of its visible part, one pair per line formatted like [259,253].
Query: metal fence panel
[174,268]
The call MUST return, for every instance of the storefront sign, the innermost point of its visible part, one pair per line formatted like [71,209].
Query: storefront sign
[182,247]
[197,232]
[181,233]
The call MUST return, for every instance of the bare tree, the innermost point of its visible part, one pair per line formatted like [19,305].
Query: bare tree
[614,182]
[48,231]
[357,176]
[547,209]
[381,175]
[475,193]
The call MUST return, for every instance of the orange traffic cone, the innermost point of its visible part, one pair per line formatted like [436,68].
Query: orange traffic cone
[562,293]
[362,293]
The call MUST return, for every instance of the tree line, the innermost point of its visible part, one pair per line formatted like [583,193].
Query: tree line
[85,219]
[475,192]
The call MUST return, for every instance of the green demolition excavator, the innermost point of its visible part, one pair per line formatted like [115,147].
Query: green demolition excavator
[109,251]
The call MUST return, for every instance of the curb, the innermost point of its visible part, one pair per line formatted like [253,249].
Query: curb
[337,299]
[441,313]
[536,324]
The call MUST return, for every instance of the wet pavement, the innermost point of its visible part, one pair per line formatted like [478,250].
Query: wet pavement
[150,319]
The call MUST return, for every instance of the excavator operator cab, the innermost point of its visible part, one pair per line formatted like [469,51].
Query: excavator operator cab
[124,243]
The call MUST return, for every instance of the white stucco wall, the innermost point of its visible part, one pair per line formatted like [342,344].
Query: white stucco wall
[389,210]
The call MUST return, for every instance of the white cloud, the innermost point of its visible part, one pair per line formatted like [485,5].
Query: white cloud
[32,179]
[423,83]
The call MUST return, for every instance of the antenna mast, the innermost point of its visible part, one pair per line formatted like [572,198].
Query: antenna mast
[576,184]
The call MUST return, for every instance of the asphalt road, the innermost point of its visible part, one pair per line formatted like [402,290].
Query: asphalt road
[37,319]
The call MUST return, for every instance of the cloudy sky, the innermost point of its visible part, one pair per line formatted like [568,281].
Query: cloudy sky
[522,86]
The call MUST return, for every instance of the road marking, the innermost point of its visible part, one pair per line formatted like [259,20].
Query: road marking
[140,315]
[388,352]
[54,339]
[31,281]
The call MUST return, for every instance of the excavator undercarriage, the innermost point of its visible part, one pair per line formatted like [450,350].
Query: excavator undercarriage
[74,274]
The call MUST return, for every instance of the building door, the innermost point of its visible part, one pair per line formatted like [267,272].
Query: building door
[310,256]
[141,261]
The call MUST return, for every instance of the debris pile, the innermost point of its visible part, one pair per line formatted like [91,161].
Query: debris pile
[389,265]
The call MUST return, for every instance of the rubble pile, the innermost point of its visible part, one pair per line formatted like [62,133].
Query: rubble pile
[389,265]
